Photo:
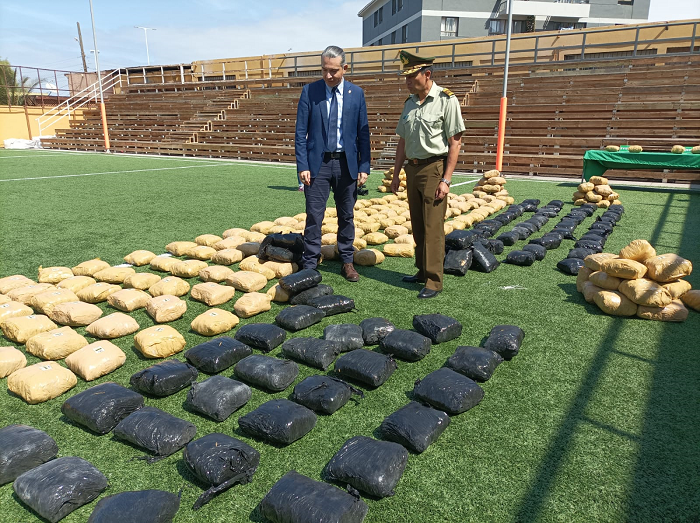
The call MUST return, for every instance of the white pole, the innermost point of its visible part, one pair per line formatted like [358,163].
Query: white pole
[99,79]
[145,33]
[508,32]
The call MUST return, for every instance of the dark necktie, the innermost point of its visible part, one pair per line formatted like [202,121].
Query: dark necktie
[332,144]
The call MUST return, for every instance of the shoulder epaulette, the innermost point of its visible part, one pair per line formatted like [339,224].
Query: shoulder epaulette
[447,92]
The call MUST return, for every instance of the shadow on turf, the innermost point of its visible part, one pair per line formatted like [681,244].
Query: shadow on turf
[295,188]
[373,273]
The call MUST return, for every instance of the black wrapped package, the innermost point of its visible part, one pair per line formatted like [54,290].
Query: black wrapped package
[617,208]
[556,203]
[530,205]
[263,336]
[448,390]
[438,327]
[333,304]
[406,345]
[218,354]
[314,292]
[164,379]
[298,499]
[482,259]
[589,244]
[139,506]
[374,329]
[300,281]
[220,461]
[218,397]
[522,232]
[299,317]
[347,336]
[528,225]
[371,466]
[55,489]
[278,421]
[605,227]
[494,246]
[580,253]
[566,234]
[460,239]
[23,448]
[101,407]
[414,426]
[570,266]
[365,366]
[521,258]
[311,351]
[548,241]
[155,430]
[505,340]
[476,363]
[457,262]
[267,372]
[293,241]
[539,251]
[283,248]
[323,394]
[277,254]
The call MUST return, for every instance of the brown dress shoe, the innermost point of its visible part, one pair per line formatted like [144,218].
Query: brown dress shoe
[349,273]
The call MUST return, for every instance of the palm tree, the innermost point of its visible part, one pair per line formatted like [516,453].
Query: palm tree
[15,90]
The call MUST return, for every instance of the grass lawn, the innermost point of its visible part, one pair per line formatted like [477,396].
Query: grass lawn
[596,419]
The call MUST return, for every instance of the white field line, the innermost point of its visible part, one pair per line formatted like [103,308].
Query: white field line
[111,172]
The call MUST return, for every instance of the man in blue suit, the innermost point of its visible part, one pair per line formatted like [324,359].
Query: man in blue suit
[333,152]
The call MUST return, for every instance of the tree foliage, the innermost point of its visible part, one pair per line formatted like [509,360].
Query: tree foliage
[15,89]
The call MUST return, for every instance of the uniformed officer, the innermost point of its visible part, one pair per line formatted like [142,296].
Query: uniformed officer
[430,129]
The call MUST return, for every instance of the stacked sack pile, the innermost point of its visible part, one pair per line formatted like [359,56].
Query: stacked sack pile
[598,191]
[639,282]
[492,184]
[388,177]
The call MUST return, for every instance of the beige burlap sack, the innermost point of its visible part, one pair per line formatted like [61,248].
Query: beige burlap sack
[21,328]
[128,300]
[212,293]
[668,267]
[12,282]
[278,294]
[96,360]
[674,311]
[252,303]
[580,202]
[14,309]
[330,238]
[172,285]
[163,263]
[692,299]
[54,274]
[247,281]
[115,275]
[227,257]
[582,277]
[11,359]
[140,257]
[236,231]
[677,149]
[112,326]
[625,269]
[249,248]
[255,237]
[398,220]
[89,267]
[593,261]
[329,228]
[358,244]
[97,292]
[252,264]
[166,308]
[41,382]
[281,269]
[4,299]
[159,341]
[604,280]
[599,180]
[141,280]
[229,243]
[400,250]
[208,240]
[329,252]
[188,268]
[369,227]
[614,303]
[202,252]
[213,322]
[75,314]
[281,229]
[579,195]
[55,344]
[645,292]
[76,283]
[215,273]
[395,231]
[286,220]
[180,248]
[46,301]
[368,257]
[638,250]
[25,294]
[593,197]
[603,190]
[375,238]
[677,288]
[405,238]
[448,228]
[262,227]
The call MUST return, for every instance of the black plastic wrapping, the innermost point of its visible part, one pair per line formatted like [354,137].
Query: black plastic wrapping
[313,352]
[300,281]
[566,234]
[332,305]
[139,506]
[589,244]
[482,259]
[164,379]
[298,317]
[263,336]
[505,340]
[220,461]
[101,407]
[269,373]
[522,232]
[602,226]
[476,363]
[218,354]
[314,292]
[457,262]
[155,430]
[371,466]
[374,329]
[347,336]
[448,390]
[298,499]
[460,239]
[548,241]
[218,397]
[494,246]
[580,253]
[406,345]
[323,394]
[570,266]
[278,421]
[55,489]
[539,251]
[278,254]
[365,366]
[521,258]
[438,327]
[414,426]
[282,248]
[556,203]
[23,448]
[530,205]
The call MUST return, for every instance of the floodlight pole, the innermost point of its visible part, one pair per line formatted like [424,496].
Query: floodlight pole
[504,97]
[99,82]
[145,33]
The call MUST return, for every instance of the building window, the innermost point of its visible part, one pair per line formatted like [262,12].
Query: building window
[393,37]
[393,7]
[519,26]
[400,4]
[497,27]
[449,25]
[381,14]
[565,26]
[379,42]
[376,18]
[404,36]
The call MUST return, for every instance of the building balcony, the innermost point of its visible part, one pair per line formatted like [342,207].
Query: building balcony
[561,9]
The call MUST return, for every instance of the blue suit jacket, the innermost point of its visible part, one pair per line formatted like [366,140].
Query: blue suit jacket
[312,127]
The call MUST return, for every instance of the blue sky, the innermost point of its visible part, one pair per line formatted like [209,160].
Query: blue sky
[41,33]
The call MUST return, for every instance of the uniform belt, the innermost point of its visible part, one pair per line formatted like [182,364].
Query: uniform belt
[422,161]
[333,156]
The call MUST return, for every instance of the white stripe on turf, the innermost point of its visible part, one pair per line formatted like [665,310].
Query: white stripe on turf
[113,172]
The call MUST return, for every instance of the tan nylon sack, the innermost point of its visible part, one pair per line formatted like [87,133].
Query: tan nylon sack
[237,231]
[14,309]
[180,248]
[668,267]
[214,321]
[114,325]
[76,283]
[95,360]
[229,243]
[212,293]
[604,280]
[638,250]
[115,275]
[163,263]
[376,238]
[368,257]
[4,299]
[582,277]
[12,282]
[11,359]
[598,180]
[202,252]
[614,303]
[97,292]
[188,268]
[25,294]
[278,294]
[54,274]
[692,299]
[75,314]
[252,303]
[41,382]
[55,344]
[141,281]
[159,341]
[128,300]
[215,273]
[262,227]
[330,238]
[227,257]
[281,269]
[45,302]
[172,285]
[405,238]
[208,240]
[329,252]
[368,227]
[21,328]
[677,288]
[625,269]
[166,308]
[252,264]
[89,267]
[395,231]
[139,258]
[645,292]
[594,261]
[247,281]
[401,250]
[674,311]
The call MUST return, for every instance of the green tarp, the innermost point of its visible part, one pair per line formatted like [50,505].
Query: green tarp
[596,162]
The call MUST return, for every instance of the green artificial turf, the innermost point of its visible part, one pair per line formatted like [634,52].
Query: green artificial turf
[595,420]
